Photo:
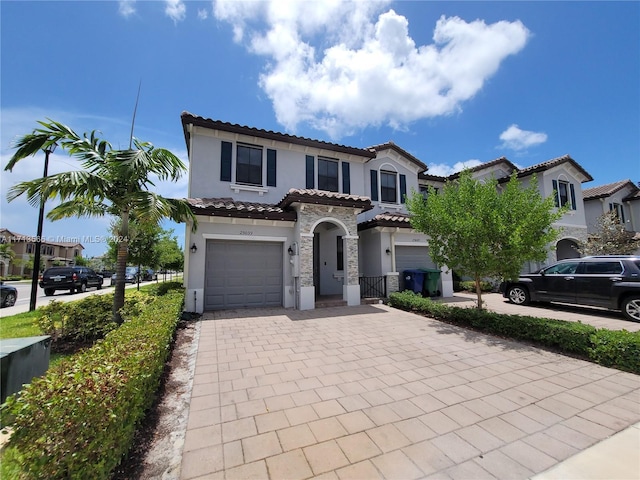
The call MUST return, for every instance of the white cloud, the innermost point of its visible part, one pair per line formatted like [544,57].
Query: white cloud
[126,8]
[203,14]
[340,66]
[514,138]
[176,10]
[444,170]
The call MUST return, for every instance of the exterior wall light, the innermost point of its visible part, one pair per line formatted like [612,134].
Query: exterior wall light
[194,248]
[388,251]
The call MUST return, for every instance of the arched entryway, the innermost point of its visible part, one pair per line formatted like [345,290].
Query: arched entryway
[567,248]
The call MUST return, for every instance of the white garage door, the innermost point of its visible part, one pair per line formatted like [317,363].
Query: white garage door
[242,274]
[408,258]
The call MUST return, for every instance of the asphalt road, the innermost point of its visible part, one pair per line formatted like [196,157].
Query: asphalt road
[24,295]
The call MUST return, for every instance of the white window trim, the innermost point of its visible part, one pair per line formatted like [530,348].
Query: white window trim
[390,206]
[238,187]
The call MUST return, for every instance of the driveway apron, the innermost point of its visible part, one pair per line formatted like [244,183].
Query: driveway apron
[372,392]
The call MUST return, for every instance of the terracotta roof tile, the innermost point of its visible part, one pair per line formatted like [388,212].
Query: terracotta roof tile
[227,207]
[606,190]
[387,219]
[190,119]
[321,197]
[391,145]
[552,163]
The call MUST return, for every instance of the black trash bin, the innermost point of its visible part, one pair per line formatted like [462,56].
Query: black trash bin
[431,280]
[414,280]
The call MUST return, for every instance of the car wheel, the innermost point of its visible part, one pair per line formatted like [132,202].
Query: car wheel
[49,291]
[72,291]
[518,295]
[83,287]
[100,286]
[10,300]
[631,308]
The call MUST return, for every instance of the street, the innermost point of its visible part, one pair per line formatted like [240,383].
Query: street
[24,293]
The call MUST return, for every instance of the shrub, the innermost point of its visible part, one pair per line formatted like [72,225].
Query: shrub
[164,287]
[469,286]
[619,349]
[78,421]
[85,321]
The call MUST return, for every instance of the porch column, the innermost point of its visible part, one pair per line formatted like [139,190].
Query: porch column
[307,289]
[351,287]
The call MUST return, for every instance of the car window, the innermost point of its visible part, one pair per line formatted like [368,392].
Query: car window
[603,268]
[562,269]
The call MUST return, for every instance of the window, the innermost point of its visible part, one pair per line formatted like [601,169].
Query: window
[603,268]
[340,253]
[249,165]
[424,190]
[565,194]
[617,207]
[388,189]
[562,269]
[327,174]
[30,248]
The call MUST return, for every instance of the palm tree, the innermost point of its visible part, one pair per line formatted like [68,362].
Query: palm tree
[6,255]
[112,182]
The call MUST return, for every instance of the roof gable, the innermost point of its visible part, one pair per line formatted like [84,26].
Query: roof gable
[609,189]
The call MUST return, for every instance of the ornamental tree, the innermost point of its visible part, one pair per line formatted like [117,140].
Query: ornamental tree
[484,229]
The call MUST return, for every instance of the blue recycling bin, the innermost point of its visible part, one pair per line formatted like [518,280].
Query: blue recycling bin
[413,280]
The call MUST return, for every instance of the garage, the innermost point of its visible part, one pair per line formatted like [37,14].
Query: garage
[240,274]
[409,257]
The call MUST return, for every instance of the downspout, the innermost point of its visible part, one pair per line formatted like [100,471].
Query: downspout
[393,251]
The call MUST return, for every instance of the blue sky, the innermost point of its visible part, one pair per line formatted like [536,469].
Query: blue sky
[453,83]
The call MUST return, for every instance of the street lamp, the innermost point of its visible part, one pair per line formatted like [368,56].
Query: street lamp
[36,257]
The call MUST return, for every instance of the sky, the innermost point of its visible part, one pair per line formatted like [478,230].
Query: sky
[453,83]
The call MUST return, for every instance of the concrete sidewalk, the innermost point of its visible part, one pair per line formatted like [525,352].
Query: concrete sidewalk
[373,392]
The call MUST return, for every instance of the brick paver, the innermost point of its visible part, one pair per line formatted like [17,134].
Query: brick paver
[372,392]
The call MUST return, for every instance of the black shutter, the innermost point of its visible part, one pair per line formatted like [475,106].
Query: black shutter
[271,168]
[346,178]
[225,162]
[374,185]
[573,197]
[310,173]
[403,188]
[555,192]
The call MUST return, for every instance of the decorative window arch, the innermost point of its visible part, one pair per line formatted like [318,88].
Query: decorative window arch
[388,185]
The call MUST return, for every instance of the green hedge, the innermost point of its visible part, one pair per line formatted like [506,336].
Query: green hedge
[618,349]
[79,420]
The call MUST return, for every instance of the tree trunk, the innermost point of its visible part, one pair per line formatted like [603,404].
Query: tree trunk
[121,266]
[479,292]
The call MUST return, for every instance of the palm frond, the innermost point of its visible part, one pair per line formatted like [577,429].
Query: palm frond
[77,207]
[63,185]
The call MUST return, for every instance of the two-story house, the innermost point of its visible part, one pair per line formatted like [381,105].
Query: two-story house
[286,220]
[621,197]
[561,177]
[24,246]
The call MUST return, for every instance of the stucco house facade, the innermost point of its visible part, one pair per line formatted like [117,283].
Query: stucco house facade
[23,246]
[287,221]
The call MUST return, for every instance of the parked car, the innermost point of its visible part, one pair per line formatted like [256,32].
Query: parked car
[609,281]
[149,274]
[130,275]
[69,278]
[9,295]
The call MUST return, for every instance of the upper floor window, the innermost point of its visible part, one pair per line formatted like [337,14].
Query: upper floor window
[249,165]
[618,208]
[424,190]
[390,184]
[327,174]
[328,177]
[29,247]
[388,189]
[565,194]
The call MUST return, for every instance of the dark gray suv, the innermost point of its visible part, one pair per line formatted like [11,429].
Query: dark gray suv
[609,281]
[69,278]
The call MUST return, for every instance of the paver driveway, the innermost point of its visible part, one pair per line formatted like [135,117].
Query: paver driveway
[372,392]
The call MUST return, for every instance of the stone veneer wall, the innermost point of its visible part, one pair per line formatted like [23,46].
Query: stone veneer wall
[308,215]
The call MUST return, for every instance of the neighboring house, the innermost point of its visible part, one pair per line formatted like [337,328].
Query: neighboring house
[286,221]
[51,252]
[562,177]
[622,197]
